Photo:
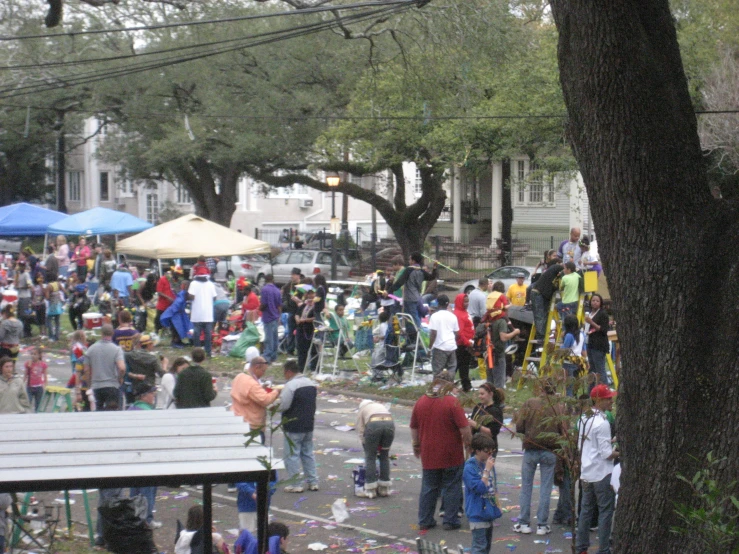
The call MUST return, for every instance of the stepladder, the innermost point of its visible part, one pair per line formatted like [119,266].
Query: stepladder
[58,399]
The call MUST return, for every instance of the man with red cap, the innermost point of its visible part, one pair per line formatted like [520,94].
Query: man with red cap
[596,461]
[202,293]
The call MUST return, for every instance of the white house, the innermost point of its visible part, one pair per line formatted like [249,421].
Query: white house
[541,210]
[92,182]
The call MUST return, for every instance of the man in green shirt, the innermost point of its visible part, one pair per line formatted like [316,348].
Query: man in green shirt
[195,387]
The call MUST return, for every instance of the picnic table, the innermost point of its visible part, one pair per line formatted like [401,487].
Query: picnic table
[137,448]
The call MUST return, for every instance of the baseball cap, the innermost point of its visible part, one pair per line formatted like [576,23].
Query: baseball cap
[296,271]
[521,275]
[602,391]
[200,270]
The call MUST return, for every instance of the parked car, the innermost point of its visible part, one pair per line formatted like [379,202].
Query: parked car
[310,262]
[236,266]
[506,274]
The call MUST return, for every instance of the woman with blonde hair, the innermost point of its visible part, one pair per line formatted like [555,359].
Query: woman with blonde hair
[62,255]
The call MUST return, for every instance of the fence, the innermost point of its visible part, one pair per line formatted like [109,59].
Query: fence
[472,262]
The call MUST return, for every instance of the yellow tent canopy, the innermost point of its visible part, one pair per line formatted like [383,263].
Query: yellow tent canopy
[190,236]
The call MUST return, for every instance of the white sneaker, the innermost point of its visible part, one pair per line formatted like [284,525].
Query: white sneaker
[543,529]
[366,494]
[522,528]
[294,488]
[155,524]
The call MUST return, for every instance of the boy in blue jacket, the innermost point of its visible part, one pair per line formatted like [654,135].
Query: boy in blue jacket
[246,502]
[479,486]
[277,534]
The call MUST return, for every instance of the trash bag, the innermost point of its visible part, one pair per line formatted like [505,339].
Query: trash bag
[249,337]
[124,526]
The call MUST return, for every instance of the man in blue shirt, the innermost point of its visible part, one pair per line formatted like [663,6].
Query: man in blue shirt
[271,307]
[122,281]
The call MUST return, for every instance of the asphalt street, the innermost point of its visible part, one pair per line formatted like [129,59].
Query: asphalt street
[377,525]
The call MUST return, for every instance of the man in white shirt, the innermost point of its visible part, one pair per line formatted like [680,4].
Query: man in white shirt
[478,297]
[202,293]
[444,328]
[596,459]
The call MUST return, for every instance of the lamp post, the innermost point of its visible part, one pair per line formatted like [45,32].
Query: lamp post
[333,180]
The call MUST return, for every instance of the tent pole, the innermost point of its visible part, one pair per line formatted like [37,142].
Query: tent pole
[159,261]
[46,243]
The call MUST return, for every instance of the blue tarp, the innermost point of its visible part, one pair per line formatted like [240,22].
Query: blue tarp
[99,221]
[26,220]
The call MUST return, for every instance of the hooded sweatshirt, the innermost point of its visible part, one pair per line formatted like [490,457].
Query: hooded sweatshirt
[466,329]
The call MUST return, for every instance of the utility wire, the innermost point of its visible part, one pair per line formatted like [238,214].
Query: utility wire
[302,11]
[94,76]
[347,117]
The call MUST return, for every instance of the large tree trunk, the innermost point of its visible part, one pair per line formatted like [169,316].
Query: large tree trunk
[668,249]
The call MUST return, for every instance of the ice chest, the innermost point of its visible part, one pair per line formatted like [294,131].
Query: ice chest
[92,320]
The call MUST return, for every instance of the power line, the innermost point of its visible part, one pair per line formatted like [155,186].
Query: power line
[349,117]
[302,11]
[94,76]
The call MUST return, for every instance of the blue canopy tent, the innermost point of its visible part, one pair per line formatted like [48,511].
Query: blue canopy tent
[99,221]
[27,220]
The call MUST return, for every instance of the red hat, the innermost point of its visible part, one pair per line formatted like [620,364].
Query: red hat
[602,391]
[200,270]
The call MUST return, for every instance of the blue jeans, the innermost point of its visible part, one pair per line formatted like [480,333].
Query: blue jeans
[571,369]
[411,308]
[150,493]
[545,460]
[597,362]
[52,327]
[300,452]
[539,308]
[270,340]
[482,540]
[197,328]
[602,495]
[290,335]
[447,481]
[35,394]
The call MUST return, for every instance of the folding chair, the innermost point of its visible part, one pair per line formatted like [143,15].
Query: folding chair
[331,347]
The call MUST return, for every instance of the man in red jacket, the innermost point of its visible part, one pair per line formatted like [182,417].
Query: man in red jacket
[166,294]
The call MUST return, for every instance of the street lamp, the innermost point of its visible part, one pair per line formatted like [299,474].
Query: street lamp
[333,180]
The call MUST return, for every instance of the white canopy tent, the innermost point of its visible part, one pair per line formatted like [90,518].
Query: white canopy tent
[189,237]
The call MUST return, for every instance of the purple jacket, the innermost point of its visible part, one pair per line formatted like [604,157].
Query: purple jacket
[271,301]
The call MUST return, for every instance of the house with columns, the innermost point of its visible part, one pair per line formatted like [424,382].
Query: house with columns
[541,210]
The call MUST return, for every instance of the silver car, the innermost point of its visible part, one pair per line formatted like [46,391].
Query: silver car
[310,263]
[507,274]
[236,266]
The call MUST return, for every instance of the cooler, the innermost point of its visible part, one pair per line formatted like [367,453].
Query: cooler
[92,320]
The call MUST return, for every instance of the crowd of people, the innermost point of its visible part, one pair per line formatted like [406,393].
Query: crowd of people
[457,451]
